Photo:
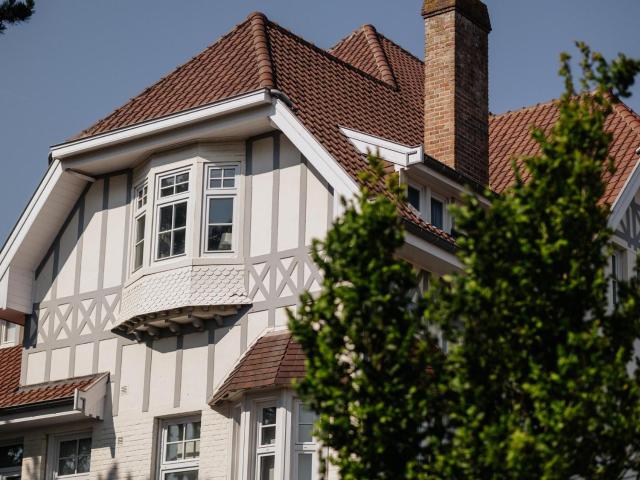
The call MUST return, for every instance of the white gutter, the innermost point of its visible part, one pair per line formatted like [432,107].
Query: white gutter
[155,126]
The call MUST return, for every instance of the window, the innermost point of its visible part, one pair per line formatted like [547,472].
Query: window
[139,242]
[437,212]
[8,333]
[174,184]
[172,229]
[73,457]
[266,443]
[222,184]
[10,461]
[180,450]
[413,196]
[141,196]
[617,274]
[305,454]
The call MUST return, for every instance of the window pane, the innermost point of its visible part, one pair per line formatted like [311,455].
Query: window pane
[267,467]
[219,237]
[305,414]
[182,178]
[413,196]
[192,449]
[437,213]
[84,446]
[215,183]
[140,223]
[165,192]
[304,466]
[139,255]
[10,456]
[305,433]
[174,452]
[166,218]
[164,245]
[229,172]
[175,432]
[84,463]
[67,466]
[268,435]
[221,210]
[216,173]
[183,187]
[193,430]
[167,182]
[180,215]
[188,475]
[67,449]
[228,183]
[269,416]
[179,241]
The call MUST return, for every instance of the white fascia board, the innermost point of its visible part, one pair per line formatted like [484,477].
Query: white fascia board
[402,155]
[159,125]
[26,220]
[284,119]
[451,183]
[447,258]
[624,198]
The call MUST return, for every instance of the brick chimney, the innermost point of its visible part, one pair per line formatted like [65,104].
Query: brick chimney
[456,109]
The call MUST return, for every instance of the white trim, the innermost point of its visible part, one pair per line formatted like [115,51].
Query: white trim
[54,453]
[624,198]
[284,119]
[398,153]
[176,466]
[430,248]
[159,125]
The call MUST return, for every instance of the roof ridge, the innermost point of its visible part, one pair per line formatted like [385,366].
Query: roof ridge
[371,35]
[259,22]
[328,54]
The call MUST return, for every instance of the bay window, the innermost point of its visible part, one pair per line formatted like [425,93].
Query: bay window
[180,449]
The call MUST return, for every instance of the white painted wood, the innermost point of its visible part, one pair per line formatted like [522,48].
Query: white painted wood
[398,153]
[289,195]
[116,224]
[107,351]
[84,359]
[257,323]
[624,198]
[317,208]
[91,235]
[282,319]
[193,388]
[261,196]
[35,367]
[60,363]
[163,373]
[226,353]
[132,377]
[67,259]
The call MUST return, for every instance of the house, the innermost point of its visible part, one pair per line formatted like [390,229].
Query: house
[144,289]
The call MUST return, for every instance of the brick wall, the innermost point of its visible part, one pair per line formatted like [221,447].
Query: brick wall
[456,86]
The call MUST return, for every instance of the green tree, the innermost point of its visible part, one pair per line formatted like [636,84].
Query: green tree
[536,383]
[12,11]
[367,348]
[539,382]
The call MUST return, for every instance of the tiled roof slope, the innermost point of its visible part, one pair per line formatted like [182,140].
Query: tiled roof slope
[13,395]
[366,83]
[327,92]
[274,360]
[510,137]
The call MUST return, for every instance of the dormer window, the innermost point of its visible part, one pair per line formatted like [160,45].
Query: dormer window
[437,212]
[173,201]
[429,205]
[413,196]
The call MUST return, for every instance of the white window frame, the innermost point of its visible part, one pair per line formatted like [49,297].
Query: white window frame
[55,453]
[306,448]
[11,472]
[173,200]
[618,271]
[177,466]
[220,193]
[7,340]
[259,450]
[141,197]
[444,210]
[421,194]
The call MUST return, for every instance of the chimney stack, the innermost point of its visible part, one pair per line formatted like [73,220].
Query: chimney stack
[456,108]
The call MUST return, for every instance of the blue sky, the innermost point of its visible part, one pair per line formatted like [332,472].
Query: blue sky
[76,60]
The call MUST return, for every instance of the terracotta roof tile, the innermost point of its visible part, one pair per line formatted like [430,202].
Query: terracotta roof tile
[14,395]
[274,360]
[510,139]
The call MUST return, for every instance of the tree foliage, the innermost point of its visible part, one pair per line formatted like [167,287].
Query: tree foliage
[536,384]
[14,11]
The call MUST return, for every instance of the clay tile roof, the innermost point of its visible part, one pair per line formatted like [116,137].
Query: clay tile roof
[14,395]
[510,138]
[274,360]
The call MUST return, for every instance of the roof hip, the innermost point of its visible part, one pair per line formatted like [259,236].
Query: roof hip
[261,44]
